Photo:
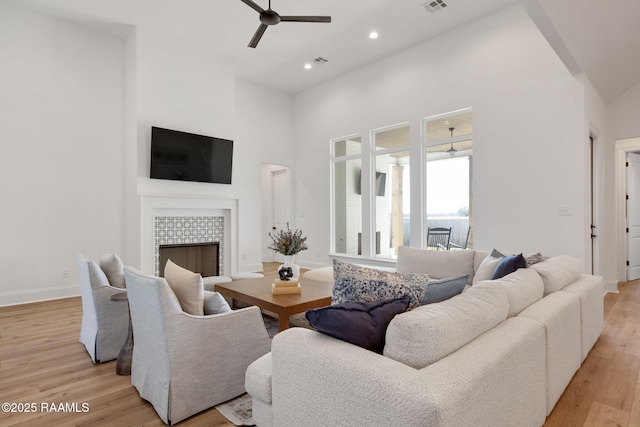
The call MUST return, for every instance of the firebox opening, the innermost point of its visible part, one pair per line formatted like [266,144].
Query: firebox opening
[200,258]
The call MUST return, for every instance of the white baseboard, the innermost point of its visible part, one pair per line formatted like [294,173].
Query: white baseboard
[249,268]
[611,286]
[40,294]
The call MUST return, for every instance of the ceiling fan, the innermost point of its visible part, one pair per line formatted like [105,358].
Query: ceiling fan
[270,17]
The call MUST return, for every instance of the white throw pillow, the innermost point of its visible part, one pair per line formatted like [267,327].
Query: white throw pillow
[486,269]
[188,287]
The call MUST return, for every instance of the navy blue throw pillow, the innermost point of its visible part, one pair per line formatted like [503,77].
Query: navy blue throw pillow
[360,323]
[508,265]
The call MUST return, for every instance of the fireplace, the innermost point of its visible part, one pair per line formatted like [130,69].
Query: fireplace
[193,242]
[203,258]
[188,220]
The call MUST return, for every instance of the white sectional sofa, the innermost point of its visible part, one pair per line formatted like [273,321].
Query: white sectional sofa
[500,353]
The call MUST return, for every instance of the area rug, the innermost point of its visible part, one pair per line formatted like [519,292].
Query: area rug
[271,325]
[238,410]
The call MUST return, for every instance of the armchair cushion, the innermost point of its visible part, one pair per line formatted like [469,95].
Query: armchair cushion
[97,275]
[188,287]
[360,323]
[214,303]
[113,267]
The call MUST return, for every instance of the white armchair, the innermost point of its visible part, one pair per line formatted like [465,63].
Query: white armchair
[182,363]
[105,323]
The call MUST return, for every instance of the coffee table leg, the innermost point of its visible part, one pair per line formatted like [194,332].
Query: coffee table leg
[283,322]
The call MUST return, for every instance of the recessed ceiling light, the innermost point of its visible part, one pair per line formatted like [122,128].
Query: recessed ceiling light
[373,35]
[307,66]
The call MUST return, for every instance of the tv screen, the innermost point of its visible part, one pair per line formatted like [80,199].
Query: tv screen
[186,156]
[381,183]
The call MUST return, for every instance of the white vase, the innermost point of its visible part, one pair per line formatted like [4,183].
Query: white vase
[289,263]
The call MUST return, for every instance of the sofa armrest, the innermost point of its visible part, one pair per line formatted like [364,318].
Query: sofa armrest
[319,380]
[258,379]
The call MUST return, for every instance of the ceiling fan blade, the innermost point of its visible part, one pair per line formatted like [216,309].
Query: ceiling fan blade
[258,35]
[252,4]
[326,19]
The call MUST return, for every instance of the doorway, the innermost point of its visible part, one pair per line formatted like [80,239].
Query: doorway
[633,216]
[627,214]
[276,201]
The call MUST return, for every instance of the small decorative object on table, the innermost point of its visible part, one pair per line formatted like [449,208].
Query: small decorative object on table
[286,287]
[288,243]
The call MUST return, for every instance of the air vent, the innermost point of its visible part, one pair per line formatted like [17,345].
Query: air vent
[434,6]
[320,61]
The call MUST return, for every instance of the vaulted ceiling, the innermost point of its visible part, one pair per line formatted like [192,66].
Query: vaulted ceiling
[598,37]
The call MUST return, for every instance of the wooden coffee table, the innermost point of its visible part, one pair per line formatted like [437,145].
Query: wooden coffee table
[258,292]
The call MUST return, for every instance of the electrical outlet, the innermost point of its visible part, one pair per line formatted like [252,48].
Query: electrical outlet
[564,210]
[64,274]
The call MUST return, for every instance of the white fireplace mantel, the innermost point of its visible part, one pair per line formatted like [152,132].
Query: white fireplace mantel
[152,206]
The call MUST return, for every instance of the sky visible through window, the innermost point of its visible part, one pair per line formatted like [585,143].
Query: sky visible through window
[448,186]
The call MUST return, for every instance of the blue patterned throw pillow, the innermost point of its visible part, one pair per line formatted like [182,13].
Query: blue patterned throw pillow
[356,283]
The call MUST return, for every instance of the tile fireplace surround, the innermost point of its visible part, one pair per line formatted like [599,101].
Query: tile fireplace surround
[178,220]
[171,230]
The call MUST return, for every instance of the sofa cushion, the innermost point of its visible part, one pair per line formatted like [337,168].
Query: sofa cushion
[443,289]
[508,265]
[361,323]
[438,264]
[428,333]
[187,286]
[557,272]
[113,268]
[523,287]
[356,283]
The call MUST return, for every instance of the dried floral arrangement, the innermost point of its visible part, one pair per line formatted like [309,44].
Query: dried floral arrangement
[288,242]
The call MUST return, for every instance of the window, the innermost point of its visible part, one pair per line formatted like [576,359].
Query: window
[377,181]
[449,161]
[392,190]
[347,198]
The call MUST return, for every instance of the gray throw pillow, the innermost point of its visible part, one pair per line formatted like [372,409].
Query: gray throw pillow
[113,268]
[443,289]
[214,303]
[356,283]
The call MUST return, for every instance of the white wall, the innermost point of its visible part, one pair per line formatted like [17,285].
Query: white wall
[596,127]
[61,128]
[529,132]
[264,132]
[75,117]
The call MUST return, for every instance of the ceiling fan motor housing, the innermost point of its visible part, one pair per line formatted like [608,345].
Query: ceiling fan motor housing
[269,17]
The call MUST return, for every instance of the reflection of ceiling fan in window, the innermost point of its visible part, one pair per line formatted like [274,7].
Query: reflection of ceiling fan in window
[270,17]
[452,151]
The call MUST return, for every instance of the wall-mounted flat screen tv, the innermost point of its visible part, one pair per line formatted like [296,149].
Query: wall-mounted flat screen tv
[381,183]
[186,156]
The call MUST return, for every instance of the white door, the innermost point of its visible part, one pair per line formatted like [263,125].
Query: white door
[633,216]
[280,203]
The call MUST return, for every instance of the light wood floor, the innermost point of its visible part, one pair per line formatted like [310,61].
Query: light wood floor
[42,362]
